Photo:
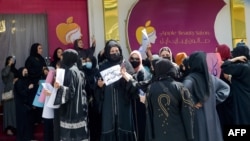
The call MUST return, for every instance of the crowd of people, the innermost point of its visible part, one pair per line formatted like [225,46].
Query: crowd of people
[111,98]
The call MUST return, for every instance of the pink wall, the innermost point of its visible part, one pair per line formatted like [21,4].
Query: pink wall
[182,25]
[57,12]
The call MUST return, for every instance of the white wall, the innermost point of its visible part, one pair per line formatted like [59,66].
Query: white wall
[96,23]
[222,26]
[124,7]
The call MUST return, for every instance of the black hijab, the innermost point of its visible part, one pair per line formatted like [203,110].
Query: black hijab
[164,68]
[34,50]
[20,73]
[94,64]
[55,57]
[76,47]
[70,57]
[110,62]
[112,43]
[241,51]
[184,67]
[34,53]
[200,76]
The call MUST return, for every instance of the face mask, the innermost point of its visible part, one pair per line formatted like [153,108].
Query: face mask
[89,65]
[115,57]
[83,64]
[135,64]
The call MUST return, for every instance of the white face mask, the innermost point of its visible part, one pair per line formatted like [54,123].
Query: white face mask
[84,64]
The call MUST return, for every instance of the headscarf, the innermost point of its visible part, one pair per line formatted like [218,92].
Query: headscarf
[224,51]
[200,76]
[140,59]
[55,57]
[112,43]
[94,64]
[34,49]
[76,47]
[185,64]
[70,57]
[20,73]
[179,57]
[241,51]
[164,68]
[34,52]
[167,49]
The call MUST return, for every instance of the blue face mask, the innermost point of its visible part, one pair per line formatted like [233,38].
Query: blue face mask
[88,65]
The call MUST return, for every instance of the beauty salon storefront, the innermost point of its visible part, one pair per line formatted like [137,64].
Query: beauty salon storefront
[181,25]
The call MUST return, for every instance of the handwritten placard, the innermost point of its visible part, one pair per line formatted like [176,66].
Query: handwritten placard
[111,75]
[214,63]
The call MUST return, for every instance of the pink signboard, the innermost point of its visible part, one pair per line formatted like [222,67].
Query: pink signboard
[66,19]
[182,25]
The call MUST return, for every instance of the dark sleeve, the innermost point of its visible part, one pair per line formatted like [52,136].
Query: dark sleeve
[91,50]
[64,94]
[35,69]
[133,86]
[67,90]
[20,89]
[98,97]
[187,112]
[140,76]
[221,89]
[232,68]
[79,63]
[150,133]
[100,58]
[132,89]
[188,84]
[6,71]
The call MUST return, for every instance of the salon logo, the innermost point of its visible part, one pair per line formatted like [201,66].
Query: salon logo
[68,32]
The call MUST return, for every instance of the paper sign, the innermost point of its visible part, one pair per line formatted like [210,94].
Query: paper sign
[214,64]
[59,78]
[60,75]
[144,45]
[47,86]
[49,79]
[48,112]
[111,75]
